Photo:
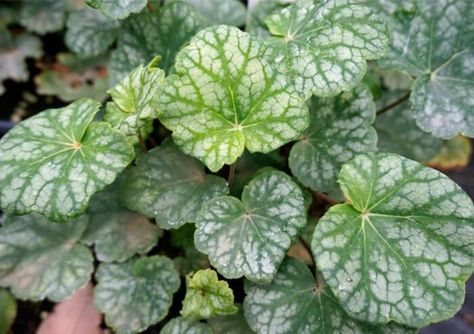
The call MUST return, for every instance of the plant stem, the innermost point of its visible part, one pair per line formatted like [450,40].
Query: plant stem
[394,104]
[142,143]
[230,178]
[325,198]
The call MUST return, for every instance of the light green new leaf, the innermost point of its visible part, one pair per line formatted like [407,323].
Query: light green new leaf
[146,35]
[436,47]
[53,162]
[340,129]
[207,296]
[181,325]
[43,16]
[402,250]
[89,33]
[117,233]
[398,133]
[231,12]
[170,186]
[225,97]
[134,98]
[294,302]
[250,238]
[8,310]
[118,9]
[231,323]
[323,45]
[258,11]
[13,56]
[135,294]
[41,259]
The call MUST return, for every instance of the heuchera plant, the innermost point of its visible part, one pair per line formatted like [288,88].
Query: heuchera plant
[241,160]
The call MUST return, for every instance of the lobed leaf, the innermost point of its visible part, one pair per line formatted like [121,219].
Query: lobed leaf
[53,162]
[120,9]
[41,259]
[135,294]
[340,129]
[43,16]
[323,45]
[225,97]
[402,249]
[250,238]
[207,296]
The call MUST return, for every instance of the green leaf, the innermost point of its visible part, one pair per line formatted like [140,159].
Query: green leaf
[181,325]
[225,97]
[72,78]
[117,233]
[118,9]
[53,162]
[192,259]
[231,324]
[146,35]
[8,311]
[323,46]
[455,153]
[207,296]
[89,33]
[13,57]
[398,133]
[135,294]
[250,238]
[340,129]
[135,98]
[294,302]
[42,259]
[43,16]
[442,62]
[170,186]
[402,249]
[231,12]
[258,11]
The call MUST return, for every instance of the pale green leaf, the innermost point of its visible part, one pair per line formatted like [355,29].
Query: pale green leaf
[295,302]
[89,33]
[8,311]
[72,78]
[13,56]
[323,45]
[250,238]
[117,233]
[181,325]
[53,162]
[231,323]
[231,12]
[147,35]
[170,186]
[436,48]
[41,259]
[135,294]
[402,249]
[207,296]
[258,11]
[118,9]
[398,133]
[135,97]
[340,129]
[225,97]
[43,16]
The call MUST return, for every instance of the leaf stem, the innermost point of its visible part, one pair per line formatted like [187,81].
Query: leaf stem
[325,198]
[393,104]
[230,178]
[142,142]
[308,249]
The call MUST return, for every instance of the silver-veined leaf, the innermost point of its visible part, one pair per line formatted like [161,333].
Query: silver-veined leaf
[402,249]
[43,16]
[118,9]
[181,325]
[231,12]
